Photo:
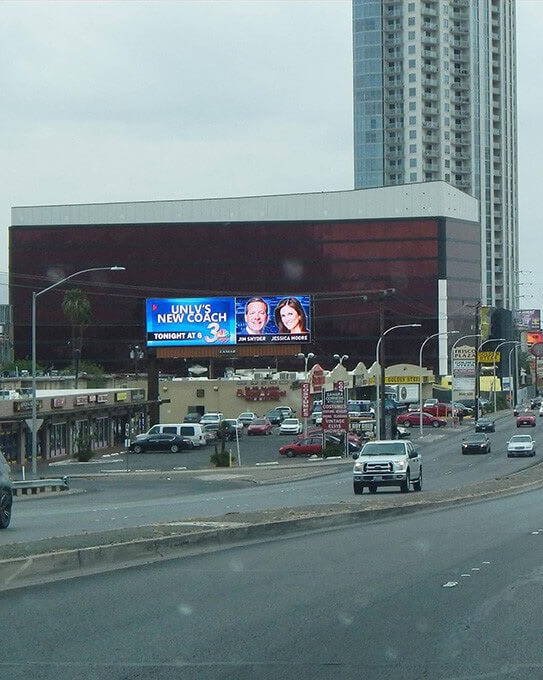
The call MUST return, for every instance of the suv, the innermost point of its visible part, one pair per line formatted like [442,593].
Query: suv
[387,463]
[6,494]
[211,418]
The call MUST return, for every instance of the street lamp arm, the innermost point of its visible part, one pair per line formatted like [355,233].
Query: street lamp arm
[82,271]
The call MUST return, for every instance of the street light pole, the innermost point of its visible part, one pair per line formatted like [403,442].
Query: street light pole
[435,335]
[477,378]
[506,342]
[378,404]
[306,358]
[35,295]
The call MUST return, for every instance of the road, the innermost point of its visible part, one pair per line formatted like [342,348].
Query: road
[108,502]
[454,593]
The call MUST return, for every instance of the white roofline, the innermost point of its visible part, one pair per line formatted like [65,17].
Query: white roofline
[426,199]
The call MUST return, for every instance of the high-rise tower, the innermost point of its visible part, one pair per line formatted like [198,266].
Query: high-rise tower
[435,99]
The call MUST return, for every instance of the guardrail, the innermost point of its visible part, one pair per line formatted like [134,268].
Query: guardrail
[31,487]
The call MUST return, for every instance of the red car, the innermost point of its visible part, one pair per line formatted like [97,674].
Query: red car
[259,426]
[526,419]
[440,409]
[414,417]
[306,446]
[317,432]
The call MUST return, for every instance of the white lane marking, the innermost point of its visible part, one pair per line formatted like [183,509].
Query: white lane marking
[475,569]
[465,575]
[450,584]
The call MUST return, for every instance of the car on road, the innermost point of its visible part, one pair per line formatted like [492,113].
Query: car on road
[485,425]
[521,445]
[535,402]
[387,463]
[160,442]
[526,420]
[476,443]
[291,426]
[247,417]
[540,411]
[259,426]
[414,418]
[6,493]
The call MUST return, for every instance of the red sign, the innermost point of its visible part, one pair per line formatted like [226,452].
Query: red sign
[306,406]
[317,376]
[272,393]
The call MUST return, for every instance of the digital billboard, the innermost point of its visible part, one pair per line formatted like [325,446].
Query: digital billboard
[528,319]
[268,319]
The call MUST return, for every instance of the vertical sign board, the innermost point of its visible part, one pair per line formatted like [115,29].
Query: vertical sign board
[334,411]
[306,406]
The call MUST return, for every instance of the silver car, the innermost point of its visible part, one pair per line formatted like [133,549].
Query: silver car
[6,493]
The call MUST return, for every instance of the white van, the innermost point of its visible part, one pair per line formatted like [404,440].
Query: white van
[192,431]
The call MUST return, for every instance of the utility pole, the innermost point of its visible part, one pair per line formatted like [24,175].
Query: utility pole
[477,370]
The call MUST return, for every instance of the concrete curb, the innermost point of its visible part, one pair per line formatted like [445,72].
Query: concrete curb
[27,564]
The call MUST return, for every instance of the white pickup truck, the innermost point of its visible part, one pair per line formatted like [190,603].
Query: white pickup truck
[387,463]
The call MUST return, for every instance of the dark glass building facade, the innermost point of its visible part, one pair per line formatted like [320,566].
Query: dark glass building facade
[345,264]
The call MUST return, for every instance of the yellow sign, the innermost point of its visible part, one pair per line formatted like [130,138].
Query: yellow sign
[402,379]
[489,357]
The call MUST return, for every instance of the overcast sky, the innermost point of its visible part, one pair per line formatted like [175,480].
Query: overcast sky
[132,101]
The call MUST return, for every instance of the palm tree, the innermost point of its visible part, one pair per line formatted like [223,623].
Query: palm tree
[77,309]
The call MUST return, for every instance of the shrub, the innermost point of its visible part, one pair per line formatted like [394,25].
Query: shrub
[82,448]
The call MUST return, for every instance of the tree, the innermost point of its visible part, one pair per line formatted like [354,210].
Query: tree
[77,309]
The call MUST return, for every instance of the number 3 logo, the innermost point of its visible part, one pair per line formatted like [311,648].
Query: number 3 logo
[214,328]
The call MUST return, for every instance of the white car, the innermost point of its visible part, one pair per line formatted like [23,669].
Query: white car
[521,445]
[211,418]
[291,426]
[541,410]
[247,417]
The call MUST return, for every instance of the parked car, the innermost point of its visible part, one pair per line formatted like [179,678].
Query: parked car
[485,425]
[192,431]
[192,417]
[429,402]
[275,416]
[306,446]
[6,493]
[259,426]
[526,419]
[476,443]
[160,442]
[291,426]
[520,445]
[317,432]
[311,446]
[209,418]
[414,417]
[287,410]
[247,417]
[439,409]
[210,432]
[402,431]
[228,428]
[462,410]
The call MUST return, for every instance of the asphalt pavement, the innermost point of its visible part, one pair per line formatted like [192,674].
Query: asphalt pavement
[70,556]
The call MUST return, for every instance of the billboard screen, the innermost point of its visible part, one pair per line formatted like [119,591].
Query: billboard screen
[528,319]
[273,319]
[280,319]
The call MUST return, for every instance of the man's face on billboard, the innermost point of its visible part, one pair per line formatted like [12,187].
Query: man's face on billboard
[256,316]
